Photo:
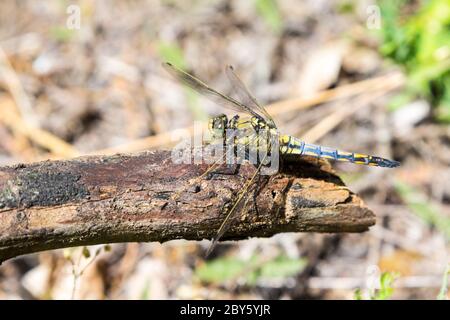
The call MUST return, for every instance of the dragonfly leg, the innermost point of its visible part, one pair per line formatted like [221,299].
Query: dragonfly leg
[259,186]
[234,168]
[233,123]
[228,170]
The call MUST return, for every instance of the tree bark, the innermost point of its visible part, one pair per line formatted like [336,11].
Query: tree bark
[146,197]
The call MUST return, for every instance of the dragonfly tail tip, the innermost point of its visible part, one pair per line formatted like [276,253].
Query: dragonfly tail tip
[390,164]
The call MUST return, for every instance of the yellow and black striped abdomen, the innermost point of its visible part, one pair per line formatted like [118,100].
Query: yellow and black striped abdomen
[292,146]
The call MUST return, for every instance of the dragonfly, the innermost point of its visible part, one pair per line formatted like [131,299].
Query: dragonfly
[259,120]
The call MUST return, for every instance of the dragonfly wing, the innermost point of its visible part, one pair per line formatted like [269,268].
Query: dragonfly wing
[202,88]
[225,225]
[245,96]
[236,208]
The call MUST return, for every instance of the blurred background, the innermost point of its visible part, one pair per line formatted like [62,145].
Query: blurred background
[85,77]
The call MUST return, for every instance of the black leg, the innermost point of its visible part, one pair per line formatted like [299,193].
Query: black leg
[228,170]
[256,191]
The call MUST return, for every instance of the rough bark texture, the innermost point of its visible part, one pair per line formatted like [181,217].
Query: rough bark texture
[145,197]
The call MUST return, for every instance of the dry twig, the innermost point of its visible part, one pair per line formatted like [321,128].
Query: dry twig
[128,198]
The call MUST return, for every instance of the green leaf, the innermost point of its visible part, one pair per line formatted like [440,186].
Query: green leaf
[400,100]
[62,34]
[280,268]
[386,290]
[444,287]
[419,205]
[443,110]
[357,295]
[346,7]
[145,294]
[230,268]
[420,42]
[172,53]
[220,270]
[443,113]
[268,10]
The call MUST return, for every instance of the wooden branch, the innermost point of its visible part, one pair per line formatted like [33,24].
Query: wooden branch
[123,198]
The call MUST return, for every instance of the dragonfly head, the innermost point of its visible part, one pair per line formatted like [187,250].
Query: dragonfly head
[218,125]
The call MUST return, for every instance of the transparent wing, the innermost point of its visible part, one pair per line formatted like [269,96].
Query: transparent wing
[205,90]
[227,222]
[245,96]
[244,194]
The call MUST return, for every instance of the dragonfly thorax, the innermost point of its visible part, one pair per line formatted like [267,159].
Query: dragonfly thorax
[261,124]
[254,133]
[219,124]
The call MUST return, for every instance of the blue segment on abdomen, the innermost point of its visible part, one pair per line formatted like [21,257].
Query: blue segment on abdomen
[329,153]
[349,157]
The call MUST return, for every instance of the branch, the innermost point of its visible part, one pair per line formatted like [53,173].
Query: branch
[127,198]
